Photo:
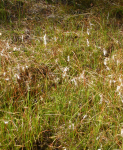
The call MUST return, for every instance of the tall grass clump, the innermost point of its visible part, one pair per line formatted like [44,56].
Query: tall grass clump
[61,75]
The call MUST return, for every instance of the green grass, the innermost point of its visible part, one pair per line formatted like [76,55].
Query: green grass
[65,92]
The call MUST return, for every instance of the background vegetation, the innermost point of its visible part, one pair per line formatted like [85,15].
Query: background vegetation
[61,74]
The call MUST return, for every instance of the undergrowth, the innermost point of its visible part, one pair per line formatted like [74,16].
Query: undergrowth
[61,76]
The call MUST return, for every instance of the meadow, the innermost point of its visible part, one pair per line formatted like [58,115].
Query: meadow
[61,75]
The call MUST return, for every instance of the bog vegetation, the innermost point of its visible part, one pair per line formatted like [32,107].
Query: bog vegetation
[61,74]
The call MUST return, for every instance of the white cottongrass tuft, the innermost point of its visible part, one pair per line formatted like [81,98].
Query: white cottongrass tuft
[80,78]
[104,52]
[7,45]
[17,76]
[68,58]
[118,62]
[74,81]
[106,61]
[0,33]
[107,68]
[4,73]
[65,71]
[15,48]
[71,125]
[23,68]
[7,79]
[112,81]
[6,122]
[41,98]
[118,88]
[91,24]
[120,80]
[122,132]
[101,98]
[88,31]
[55,38]
[45,40]
[88,43]
[82,75]
[85,116]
